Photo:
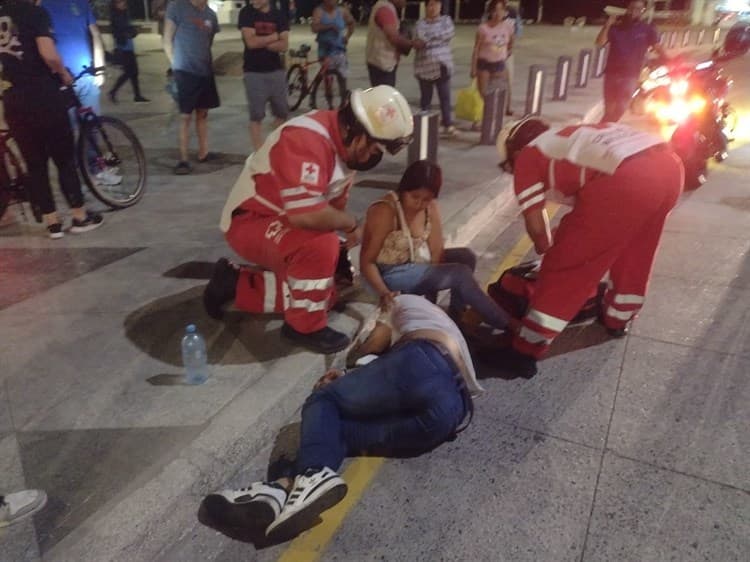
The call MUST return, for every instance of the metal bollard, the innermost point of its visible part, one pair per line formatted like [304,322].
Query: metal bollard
[600,60]
[492,119]
[535,90]
[562,78]
[686,38]
[701,36]
[584,66]
[672,40]
[426,132]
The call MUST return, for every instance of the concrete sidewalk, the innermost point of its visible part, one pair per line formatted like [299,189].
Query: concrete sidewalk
[93,409]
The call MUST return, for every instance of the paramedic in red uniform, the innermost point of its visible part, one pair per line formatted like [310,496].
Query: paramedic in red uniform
[287,207]
[622,183]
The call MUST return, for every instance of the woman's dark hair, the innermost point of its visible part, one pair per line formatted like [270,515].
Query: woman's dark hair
[422,174]
[491,5]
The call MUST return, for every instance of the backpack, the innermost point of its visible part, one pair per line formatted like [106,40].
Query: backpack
[513,290]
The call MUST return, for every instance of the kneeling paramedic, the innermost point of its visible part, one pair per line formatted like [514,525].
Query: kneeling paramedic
[285,209]
[622,183]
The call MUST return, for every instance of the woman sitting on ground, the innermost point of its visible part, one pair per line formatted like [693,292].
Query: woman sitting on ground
[402,249]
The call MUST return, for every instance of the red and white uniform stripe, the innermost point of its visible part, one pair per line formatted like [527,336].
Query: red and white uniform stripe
[299,169]
[621,183]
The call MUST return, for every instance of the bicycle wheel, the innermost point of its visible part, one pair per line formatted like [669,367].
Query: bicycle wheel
[112,162]
[333,85]
[296,86]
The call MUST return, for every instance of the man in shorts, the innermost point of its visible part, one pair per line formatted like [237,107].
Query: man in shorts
[266,35]
[189,31]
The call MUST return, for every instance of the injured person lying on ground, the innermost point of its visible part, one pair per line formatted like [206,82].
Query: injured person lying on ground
[407,401]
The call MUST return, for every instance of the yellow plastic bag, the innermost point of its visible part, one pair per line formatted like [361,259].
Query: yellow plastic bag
[469,103]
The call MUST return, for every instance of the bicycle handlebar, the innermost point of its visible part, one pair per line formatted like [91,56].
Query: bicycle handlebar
[92,70]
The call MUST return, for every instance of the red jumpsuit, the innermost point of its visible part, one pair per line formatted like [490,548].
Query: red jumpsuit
[622,184]
[299,169]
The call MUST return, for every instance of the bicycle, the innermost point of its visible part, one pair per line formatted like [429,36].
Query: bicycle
[12,174]
[298,85]
[110,159]
[110,156]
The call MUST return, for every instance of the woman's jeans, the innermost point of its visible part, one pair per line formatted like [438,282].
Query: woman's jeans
[406,402]
[456,272]
[443,86]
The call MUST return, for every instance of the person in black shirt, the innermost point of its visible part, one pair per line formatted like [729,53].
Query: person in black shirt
[266,35]
[37,112]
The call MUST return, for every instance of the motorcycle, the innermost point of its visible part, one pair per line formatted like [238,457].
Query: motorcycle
[692,97]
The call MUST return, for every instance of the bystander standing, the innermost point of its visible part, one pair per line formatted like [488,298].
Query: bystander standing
[385,44]
[265,32]
[629,40]
[334,26]
[188,35]
[433,63]
[493,41]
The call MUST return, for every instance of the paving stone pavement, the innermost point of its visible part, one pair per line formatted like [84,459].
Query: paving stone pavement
[621,450]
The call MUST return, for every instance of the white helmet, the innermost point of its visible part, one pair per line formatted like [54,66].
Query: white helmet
[514,136]
[384,114]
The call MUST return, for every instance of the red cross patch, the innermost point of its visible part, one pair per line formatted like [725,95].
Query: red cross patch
[310,173]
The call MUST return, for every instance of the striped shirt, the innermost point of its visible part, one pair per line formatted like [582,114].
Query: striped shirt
[437,35]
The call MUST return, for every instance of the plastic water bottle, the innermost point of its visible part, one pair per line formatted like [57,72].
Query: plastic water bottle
[194,356]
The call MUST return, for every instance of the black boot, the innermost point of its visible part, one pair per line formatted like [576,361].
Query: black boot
[325,340]
[221,289]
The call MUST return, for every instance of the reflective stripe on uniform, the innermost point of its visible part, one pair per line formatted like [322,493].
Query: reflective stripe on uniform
[530,191]
[533,337]
[307,202]
[624,315]
[291,191]
[533,201]
[551,174]
[629,299]
[308,305]
[546,320]
[309,284]
[269,293]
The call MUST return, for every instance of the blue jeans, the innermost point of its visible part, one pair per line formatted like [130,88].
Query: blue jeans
[443,87]
[456,272]
[406,402]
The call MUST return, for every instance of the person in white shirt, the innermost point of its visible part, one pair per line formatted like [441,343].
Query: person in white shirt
[407,401]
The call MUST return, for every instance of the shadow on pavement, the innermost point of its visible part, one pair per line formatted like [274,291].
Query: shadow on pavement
[191,270]
[157,329]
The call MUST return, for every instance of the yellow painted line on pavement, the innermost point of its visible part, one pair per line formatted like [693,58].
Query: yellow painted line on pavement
[521,248]
[310,546]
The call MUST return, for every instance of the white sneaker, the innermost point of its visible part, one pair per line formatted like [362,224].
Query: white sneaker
[252,508]
[312,494]
[20,505]
[108,176]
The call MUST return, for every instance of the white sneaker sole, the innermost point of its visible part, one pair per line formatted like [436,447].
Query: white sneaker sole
[286,529]
[56,235]
[25,515]
[251,516]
